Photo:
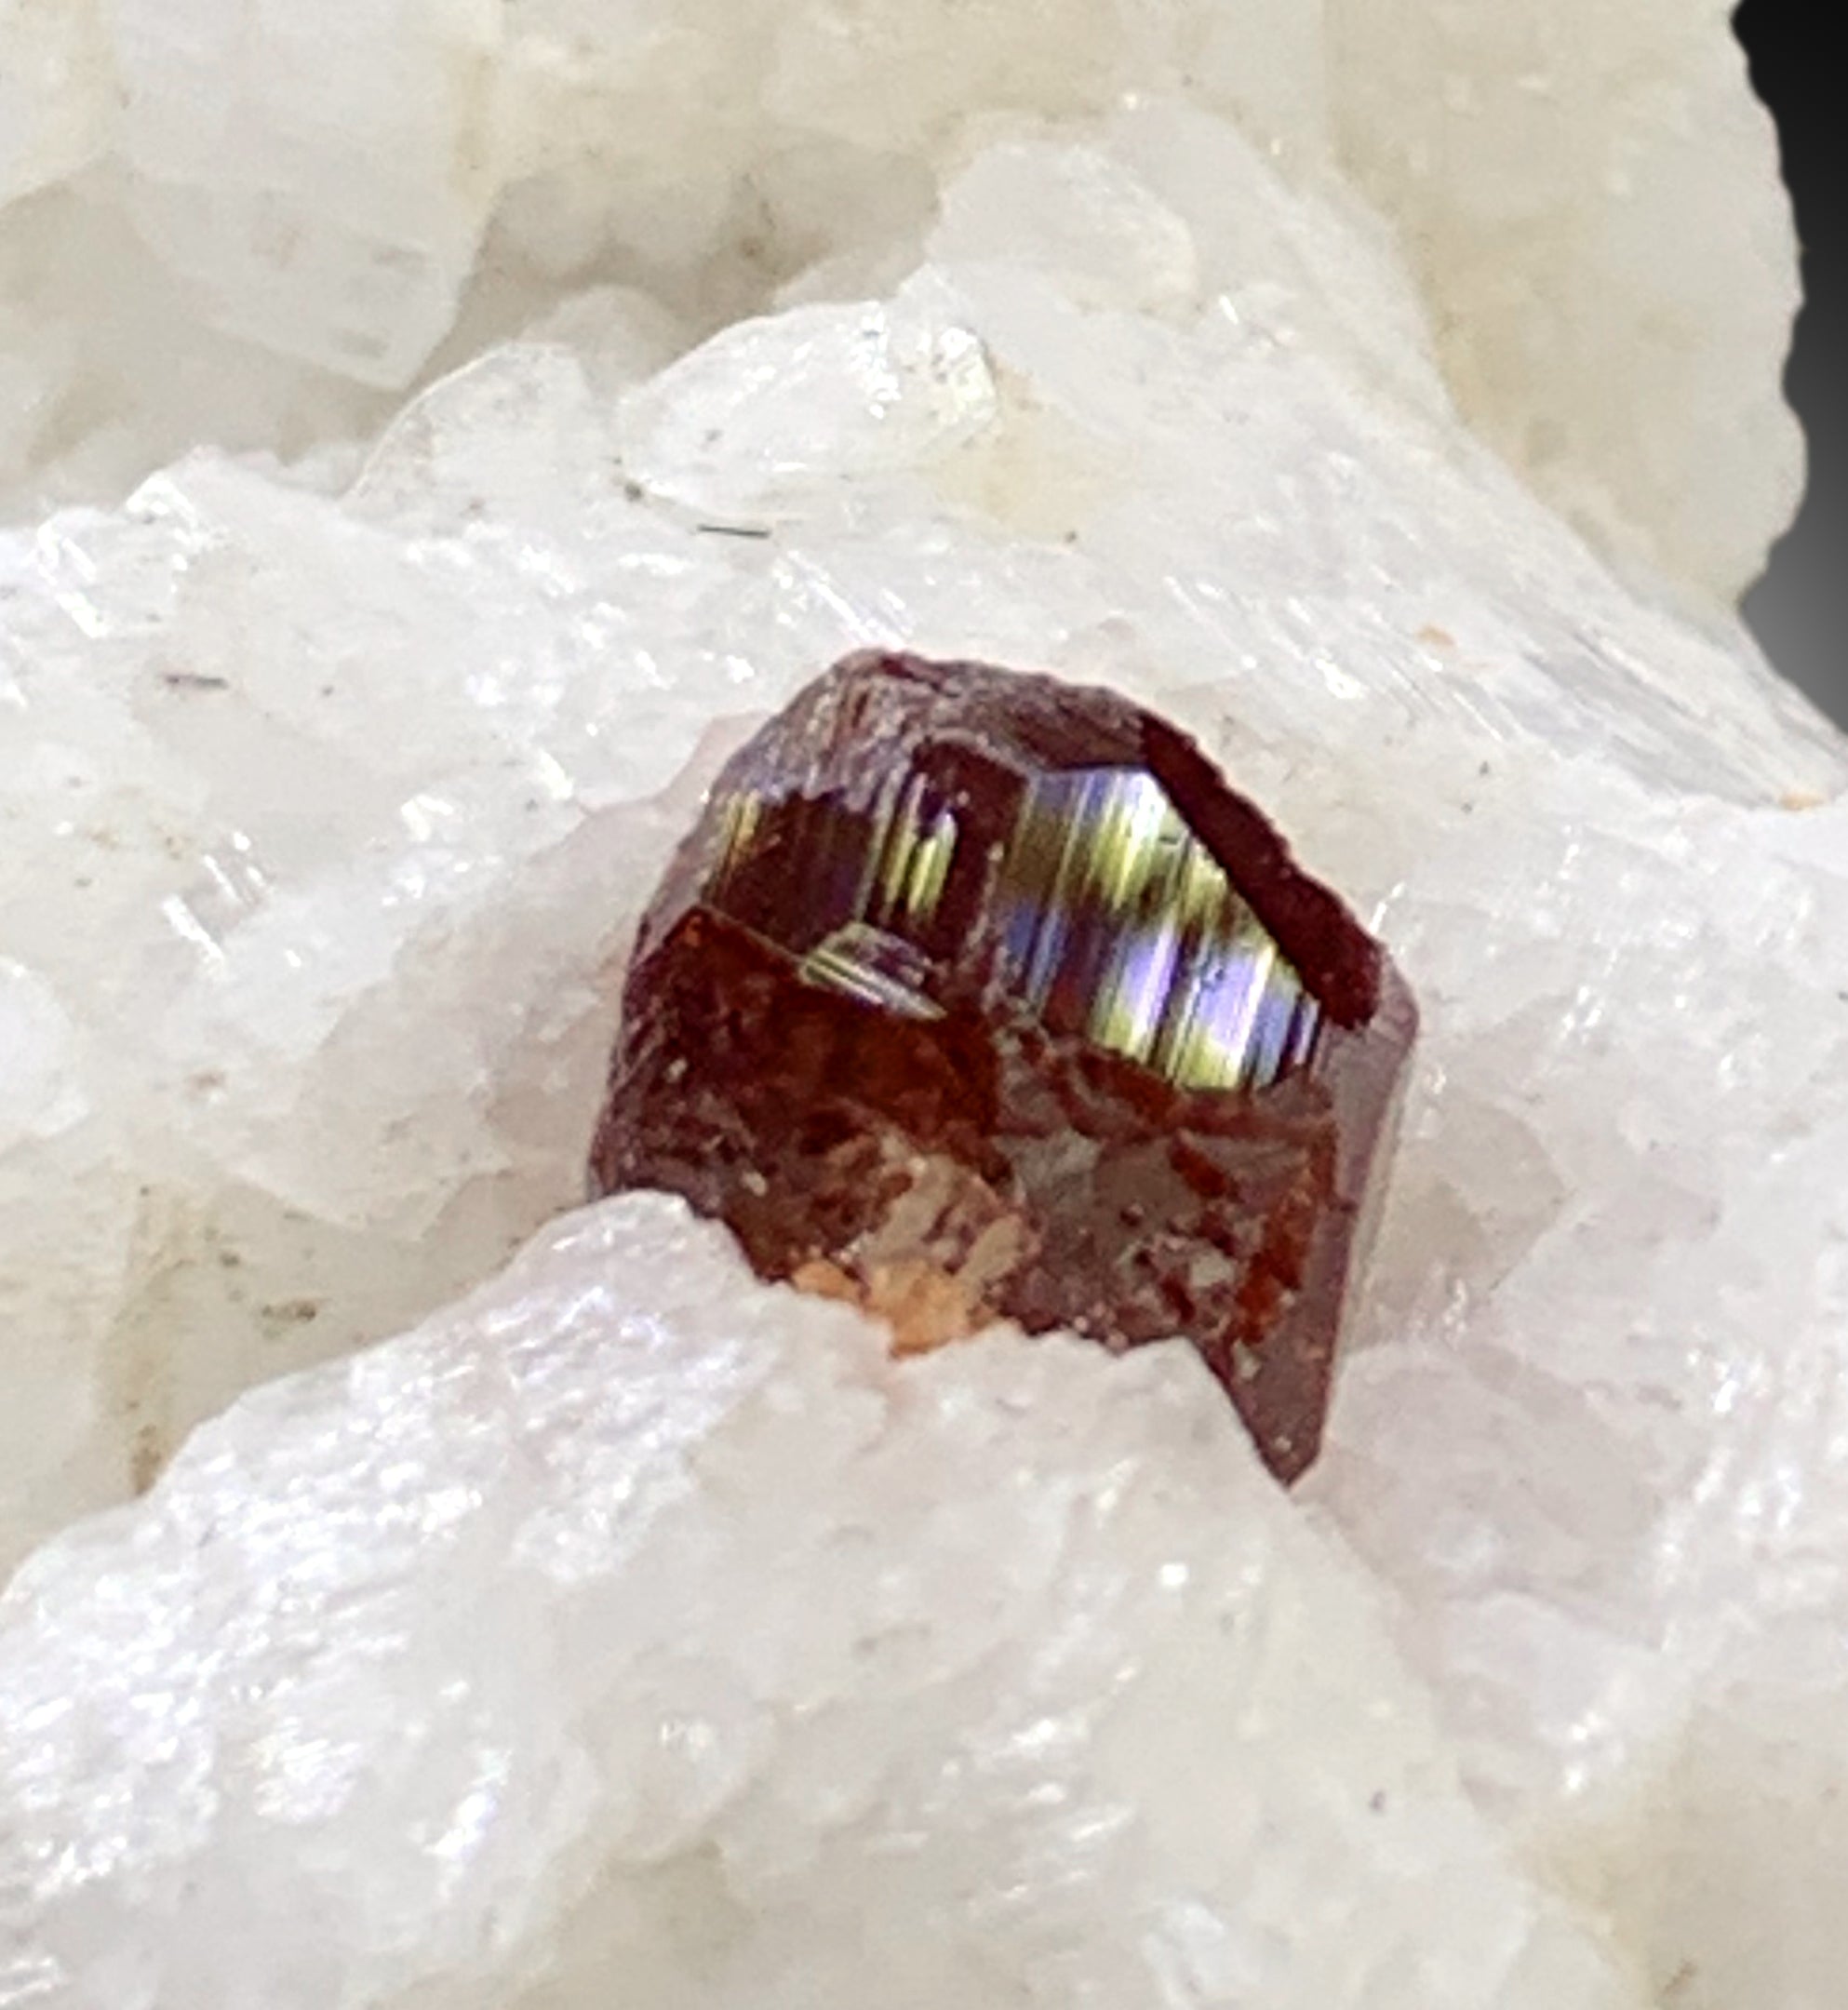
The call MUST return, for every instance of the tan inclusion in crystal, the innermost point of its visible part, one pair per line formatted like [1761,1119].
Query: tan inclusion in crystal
[976,996]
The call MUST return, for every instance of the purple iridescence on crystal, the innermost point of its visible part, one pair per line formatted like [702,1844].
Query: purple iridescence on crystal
[977,996]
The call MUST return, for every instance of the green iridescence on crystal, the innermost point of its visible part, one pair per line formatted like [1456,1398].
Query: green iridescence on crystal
[1116,919]
[1113,921]
[977,996]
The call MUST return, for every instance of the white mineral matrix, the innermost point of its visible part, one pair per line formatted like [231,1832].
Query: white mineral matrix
[433,436]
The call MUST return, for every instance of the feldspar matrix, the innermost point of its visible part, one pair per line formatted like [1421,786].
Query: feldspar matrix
[225,219]
[633,1617]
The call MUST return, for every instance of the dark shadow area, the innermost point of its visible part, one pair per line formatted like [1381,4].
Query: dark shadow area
[1800,610]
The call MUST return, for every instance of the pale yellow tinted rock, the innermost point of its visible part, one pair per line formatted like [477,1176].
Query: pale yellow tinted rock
[1590,197]
[326,204]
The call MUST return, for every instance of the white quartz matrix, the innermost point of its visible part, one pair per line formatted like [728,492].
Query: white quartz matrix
[432,432]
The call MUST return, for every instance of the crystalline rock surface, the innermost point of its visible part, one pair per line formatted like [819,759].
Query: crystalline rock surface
[468,422]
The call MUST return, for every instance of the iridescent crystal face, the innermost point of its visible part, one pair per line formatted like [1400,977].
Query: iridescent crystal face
[1111,919]
[976,996]
[1121,926]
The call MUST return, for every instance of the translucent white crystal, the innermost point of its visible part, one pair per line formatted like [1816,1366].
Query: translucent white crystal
[323,175]
[1583,191]
[329,798]
[299,786]
[38,1093]
[1588,195]
[618,1632]
[53,78]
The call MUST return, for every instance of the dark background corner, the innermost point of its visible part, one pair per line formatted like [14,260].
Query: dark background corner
[1800,610]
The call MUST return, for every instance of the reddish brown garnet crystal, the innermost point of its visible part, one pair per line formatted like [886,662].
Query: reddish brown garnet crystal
[977,996]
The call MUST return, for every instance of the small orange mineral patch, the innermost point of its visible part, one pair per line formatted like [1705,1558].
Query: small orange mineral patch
[975,996]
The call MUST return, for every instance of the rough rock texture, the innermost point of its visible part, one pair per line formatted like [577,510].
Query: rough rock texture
[978,996]
[300,794]
[1571,186]
[627,1686]
[227,219]
[325,811]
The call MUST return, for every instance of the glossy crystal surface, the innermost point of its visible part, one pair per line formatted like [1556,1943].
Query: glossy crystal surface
[1111,919]
[1119,924]
[976,996]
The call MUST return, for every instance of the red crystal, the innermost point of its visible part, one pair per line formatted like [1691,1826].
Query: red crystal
[976,996]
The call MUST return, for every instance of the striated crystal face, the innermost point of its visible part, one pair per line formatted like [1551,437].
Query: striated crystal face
[1119,924]
[976,996]
[1110,918]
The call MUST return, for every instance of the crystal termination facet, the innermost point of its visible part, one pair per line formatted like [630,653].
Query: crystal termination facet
[975,996]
